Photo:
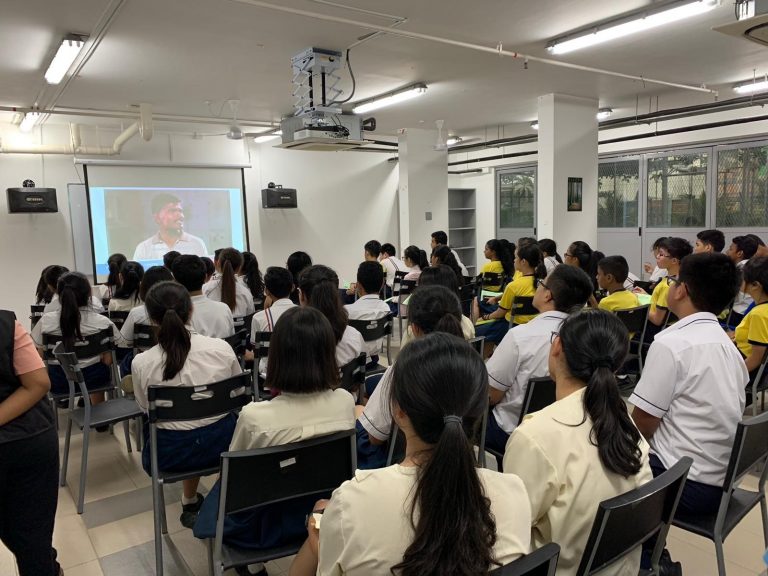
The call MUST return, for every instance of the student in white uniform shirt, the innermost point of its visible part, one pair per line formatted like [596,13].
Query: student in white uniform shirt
[391,263]
[369,305]
[303,368]
[73,320]
[126,297]
[691,397]
[441,237]
[422,527]
[227,288]
[106,290]
[431,309]
[584,448]
[138,315]
[319,288]
[52,276]
[278,286]
[210,318]
[183,358]
[549,250]
[524,351]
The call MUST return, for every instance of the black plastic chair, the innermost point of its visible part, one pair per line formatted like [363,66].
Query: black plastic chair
[635,320]
[401,290]
[144,337]
[669,319]
[107,413]
[118,317]
[169,404]
[353,376]
[36,312]
[540,562]
[289,472]
[243,322]
[260,351]
[539,394]
[623,523]
[477,343]
[750,450]
[239,343]
[489,279]
[522,306]
[759,384]
[643,284]
[467,294]
[372,330]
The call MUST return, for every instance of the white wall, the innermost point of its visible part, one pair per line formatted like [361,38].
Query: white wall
[344,200]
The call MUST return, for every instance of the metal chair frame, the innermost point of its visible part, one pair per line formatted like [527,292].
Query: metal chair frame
[374,330]
[540,562]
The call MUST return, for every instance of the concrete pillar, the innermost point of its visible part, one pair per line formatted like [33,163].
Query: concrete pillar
[423,188]
[567,150]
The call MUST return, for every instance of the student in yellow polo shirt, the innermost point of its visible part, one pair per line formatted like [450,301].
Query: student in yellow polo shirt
[669,255]
[612,272]
[751,335]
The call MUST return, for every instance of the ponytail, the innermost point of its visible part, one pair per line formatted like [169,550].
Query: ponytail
[114,263]
[252,276]
[440,383]
[230,261]
[436,309]
[593,261]
[595,344]
[415,254]
[169,306]
[74,293]
[132,273]
[43,293]
[320,286]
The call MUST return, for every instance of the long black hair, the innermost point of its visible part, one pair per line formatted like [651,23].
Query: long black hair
[445,256]
[435,309]
[416,255]
[252,275]
[132,273]
[46,285]
[587,259]
[440,275]
[505,252]
[549,247]
[114,263]
[320,286]
[440,383]
[152,276]
[230,262]
[595,344]
[297,261]
[169,306]
[74,292]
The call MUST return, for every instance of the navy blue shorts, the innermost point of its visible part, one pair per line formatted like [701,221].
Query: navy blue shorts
[183,450]
[493,331]
[369,456]
[96,376]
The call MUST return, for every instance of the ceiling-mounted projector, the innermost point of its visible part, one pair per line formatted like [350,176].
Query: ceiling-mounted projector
[751,23]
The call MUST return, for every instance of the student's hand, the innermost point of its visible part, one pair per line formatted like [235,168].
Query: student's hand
[492,300]
[351,289]
[313,534]
[648,267]
[638,290]
[248,356]
[731,334]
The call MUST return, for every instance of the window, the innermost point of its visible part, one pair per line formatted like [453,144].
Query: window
[517,192]
[618,186]
[677,191]
[742,187]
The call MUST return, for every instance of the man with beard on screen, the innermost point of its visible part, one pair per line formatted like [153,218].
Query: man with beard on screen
[169,217]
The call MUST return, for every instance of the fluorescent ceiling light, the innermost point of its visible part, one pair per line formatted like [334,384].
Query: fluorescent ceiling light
[65,56]
[604,113]
[535,124]
[752,86]
[29,121]
[638,22]
[390,98]
[267,137]
[453,140]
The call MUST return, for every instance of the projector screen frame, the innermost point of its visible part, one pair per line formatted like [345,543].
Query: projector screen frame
[85,164]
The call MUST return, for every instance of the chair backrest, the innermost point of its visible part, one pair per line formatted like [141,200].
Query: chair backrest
[373,329]
[255,478]
[90,346]
[243,322]
[644,284]
[749,448]
[539,394]
[71,367]
[118,317]
[353,374]
[144,336]
[488,279]
[467,292]
[403,288]
[634,319]
[261,345]
[540,562]
[623,523]
[36,312]
[238,341]
[395,445]
[522,306]
[477,343]
[180,403]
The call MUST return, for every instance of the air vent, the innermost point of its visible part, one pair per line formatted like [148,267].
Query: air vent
[754,29]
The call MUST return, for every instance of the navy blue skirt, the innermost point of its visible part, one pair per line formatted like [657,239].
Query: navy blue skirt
[96,376]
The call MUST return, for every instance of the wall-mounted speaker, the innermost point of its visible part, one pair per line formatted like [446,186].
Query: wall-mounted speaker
[31,200]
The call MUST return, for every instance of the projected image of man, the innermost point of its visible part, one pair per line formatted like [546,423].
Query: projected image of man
[169,217]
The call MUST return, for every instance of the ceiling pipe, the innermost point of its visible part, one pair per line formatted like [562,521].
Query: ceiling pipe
[497,50]
[75,146]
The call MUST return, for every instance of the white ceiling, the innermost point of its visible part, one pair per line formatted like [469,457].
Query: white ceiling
[178,54]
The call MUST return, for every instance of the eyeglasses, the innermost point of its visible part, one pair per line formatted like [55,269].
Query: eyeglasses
[673,280]
[552,337]
[540,282]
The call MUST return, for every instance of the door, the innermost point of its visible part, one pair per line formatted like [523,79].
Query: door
[516,202]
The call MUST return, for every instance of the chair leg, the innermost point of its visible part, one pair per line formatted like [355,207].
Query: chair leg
[720,557]
[211,571]
[65,459]
[163,518]
[764,518]
[83,470]
[157,503]
[127,430]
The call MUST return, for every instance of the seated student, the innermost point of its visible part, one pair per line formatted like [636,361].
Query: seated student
[655,272]
[74,319]
[126,296]
[527,260]
[522,354]
[43,292]
[441,275]
[501,254]
[319,288]
[210,318]
[227,288]
[751,335]
[391,263]
[278,286]
[612,273]
[690,396]
[442,255]
[106,291]
[549,251]
[584,448]
[742,248]
[416,261]
[581,255]
[52,278]
[303,368]
[295,264]
[210,269]
[169,258]
[431,309]
[669,256]
[251,277]
[183,358]
[441,237]
[709,241]
[436,513]
[369,305]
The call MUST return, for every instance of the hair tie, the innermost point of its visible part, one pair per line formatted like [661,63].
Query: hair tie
[452,419]
[602,362]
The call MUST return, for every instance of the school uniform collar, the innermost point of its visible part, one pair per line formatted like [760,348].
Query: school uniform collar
[695,320]
[550,315]
[369,297]
[569,411]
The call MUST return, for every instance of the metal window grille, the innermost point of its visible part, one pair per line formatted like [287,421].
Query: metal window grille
[618,186]
[677,191]
[742,187]
[517,191]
